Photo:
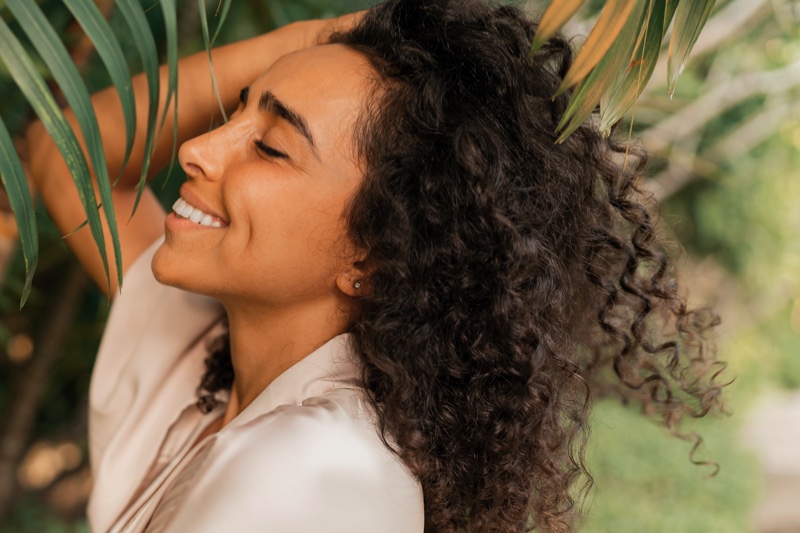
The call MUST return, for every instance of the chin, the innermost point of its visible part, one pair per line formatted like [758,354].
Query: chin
[172,269]
[167,270]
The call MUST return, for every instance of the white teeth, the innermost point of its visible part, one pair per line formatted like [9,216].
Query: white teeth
[183,209]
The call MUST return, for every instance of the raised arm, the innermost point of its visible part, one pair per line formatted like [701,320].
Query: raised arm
[235,66]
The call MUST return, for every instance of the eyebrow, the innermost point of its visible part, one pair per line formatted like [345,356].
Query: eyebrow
[272,104]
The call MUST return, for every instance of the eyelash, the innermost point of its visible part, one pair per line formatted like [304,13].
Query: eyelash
[270,152]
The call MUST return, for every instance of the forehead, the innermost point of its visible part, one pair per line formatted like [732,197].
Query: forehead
[328,85]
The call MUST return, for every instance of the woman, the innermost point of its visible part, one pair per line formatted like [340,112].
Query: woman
[411,287]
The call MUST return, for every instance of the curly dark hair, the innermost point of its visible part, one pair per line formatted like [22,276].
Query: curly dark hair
[510,277]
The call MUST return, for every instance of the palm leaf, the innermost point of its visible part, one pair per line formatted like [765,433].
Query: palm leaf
[690,17]
[136,20]
[169,9]
[598,70]
[629,83]
[670,8]
[222,10]
[554,17]
[33,87]
[88,15]
[45,40]
[613,19]
[16,185]
[208,44]
[589,92]
[27,77]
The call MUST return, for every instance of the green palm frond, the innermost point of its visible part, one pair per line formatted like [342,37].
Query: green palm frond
[132,12]
[619,56]
[26,70]
[33,86]
[690,17]
[169,9]
[209,42]
[91,19]
[630,83]
[597,81]
[13,177]
[49,46]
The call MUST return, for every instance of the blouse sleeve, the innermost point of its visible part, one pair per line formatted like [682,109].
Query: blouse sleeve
[302,469]
[141,381]
[149,329]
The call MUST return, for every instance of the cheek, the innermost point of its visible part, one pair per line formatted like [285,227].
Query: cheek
[314,228]
[300,230]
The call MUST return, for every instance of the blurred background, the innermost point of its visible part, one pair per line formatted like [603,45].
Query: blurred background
[725,164]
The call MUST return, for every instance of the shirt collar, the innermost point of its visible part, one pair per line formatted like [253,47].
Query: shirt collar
[331,366]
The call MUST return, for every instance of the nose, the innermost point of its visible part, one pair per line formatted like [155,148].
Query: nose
[204,157]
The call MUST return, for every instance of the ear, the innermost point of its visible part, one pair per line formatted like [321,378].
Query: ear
[353,280]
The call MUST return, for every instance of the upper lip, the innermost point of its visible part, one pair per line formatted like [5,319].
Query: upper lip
[195,201]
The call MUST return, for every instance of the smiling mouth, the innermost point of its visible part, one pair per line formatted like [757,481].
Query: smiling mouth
[184,209]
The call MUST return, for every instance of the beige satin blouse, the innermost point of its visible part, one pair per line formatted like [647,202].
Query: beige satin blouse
[303,457]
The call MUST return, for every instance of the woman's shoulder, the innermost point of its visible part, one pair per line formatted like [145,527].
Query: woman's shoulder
[318,466]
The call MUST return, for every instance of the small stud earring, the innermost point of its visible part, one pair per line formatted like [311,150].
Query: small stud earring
[357,285]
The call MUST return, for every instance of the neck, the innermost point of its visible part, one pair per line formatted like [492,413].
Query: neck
[266,341]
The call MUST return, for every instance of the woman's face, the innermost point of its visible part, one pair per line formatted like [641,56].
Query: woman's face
[275,181]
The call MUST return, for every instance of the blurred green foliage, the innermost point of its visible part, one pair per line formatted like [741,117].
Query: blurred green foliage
[645,481]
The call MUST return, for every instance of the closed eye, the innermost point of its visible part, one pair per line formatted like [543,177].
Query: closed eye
[269,151]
